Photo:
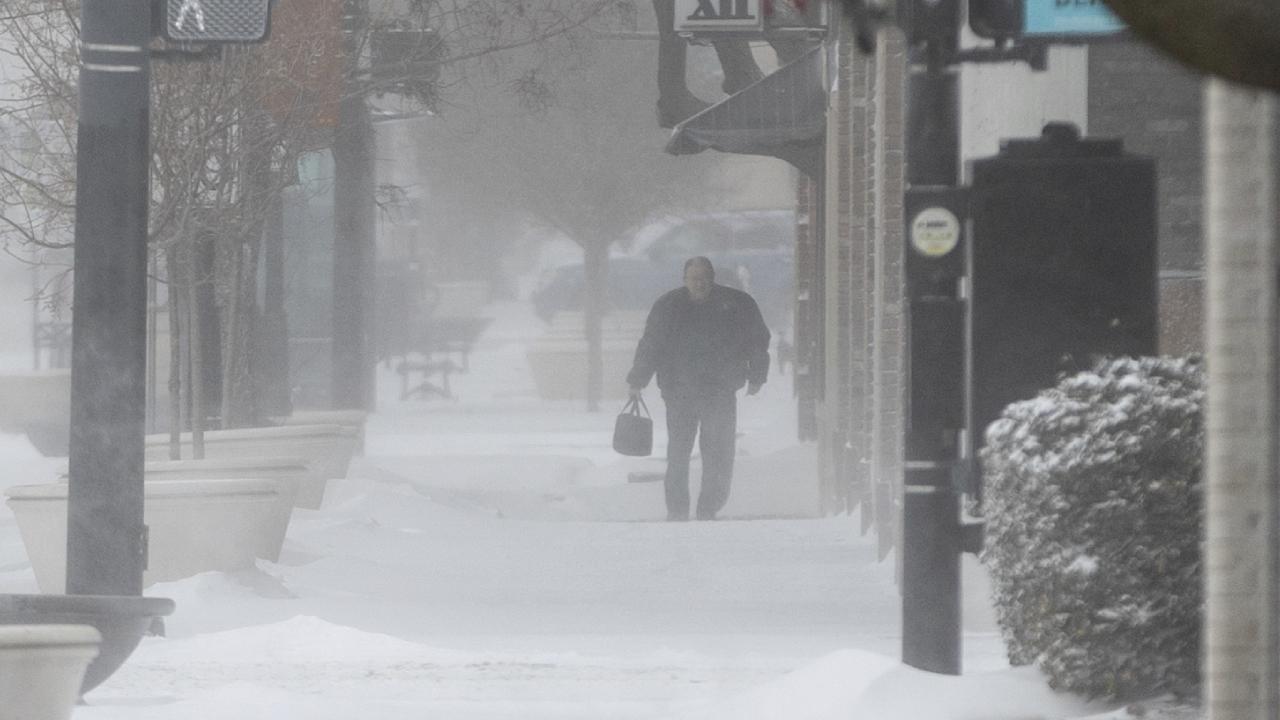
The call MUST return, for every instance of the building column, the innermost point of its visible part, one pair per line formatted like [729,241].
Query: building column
[1241,671]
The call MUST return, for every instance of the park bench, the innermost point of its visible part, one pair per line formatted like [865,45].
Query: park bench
[441,347]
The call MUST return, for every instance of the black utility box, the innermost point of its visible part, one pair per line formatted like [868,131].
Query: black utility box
[1063,265]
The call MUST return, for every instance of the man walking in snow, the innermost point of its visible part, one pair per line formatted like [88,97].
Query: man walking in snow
[704,341]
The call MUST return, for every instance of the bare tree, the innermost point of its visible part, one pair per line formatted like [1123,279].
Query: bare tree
[576,151]
[410,43]
[226,134]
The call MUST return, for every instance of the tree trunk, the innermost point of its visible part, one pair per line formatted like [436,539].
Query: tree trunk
[596,267]
[1240,562]
[152,338]
[196,343]
[353,242]
[675,102]
[272,368]
[739,65]
[240,402]
[232,348]
[174,271]
[240,406]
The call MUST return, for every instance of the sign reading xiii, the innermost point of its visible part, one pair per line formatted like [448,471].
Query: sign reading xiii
[718,15]
[228,21]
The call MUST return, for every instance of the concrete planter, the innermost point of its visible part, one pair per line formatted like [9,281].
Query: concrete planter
[42,668]
[286,472]
[559,367]
[39,405]
[346,418]
[194,525]
[558,359]
[353,418]
[327,449]
[461,298]
[120,620]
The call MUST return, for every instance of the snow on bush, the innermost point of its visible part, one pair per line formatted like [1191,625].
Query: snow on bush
[1092,504]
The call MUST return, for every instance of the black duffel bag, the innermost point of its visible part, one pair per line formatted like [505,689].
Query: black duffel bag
[633,431]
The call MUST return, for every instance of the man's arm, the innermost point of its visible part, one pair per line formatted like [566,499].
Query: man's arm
[649,349]
[757,346]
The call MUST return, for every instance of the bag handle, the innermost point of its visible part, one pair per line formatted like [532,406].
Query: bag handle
[634,405]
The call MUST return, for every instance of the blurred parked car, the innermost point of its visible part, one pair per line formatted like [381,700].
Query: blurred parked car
[753,250]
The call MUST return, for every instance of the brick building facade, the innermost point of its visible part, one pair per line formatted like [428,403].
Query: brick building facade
[1155,106]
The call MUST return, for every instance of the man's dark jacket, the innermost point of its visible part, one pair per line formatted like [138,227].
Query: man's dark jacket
[718,344]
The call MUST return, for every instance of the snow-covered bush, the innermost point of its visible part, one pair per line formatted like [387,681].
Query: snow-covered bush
[1092,505]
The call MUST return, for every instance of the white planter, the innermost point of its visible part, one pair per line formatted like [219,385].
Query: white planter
[42,667]
[39,405]
[559,367]
[558,359]
[286,472]
[327,449]
[352,418]
[122,620]
[194,526]
[461,298]
[346,418]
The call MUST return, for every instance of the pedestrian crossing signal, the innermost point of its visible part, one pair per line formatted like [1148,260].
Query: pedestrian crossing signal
[217,21]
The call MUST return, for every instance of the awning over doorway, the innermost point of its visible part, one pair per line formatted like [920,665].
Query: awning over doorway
[782,115]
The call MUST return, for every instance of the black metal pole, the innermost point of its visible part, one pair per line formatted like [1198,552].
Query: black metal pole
[933,128]
[106,538]
[931,622]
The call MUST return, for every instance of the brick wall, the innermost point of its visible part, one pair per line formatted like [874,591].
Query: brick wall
[889,157]
[1155,106]
[808,313]
[845,438]
[834,419]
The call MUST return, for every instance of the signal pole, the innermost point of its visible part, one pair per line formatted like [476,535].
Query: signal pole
[937,348]
[106,538]
[936,394]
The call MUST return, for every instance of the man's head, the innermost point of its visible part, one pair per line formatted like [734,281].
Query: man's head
[699,276]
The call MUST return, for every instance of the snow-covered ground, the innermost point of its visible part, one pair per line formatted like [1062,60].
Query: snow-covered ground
[490,558]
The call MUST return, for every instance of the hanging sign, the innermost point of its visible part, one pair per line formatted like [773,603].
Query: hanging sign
[1059,18]
[718,15]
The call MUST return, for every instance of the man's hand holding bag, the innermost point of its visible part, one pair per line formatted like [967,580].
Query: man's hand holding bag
[633,431]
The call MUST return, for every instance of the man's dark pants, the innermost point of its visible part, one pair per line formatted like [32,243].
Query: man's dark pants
[712,415]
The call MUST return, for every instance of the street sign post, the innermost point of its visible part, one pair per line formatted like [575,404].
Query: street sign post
[106,533]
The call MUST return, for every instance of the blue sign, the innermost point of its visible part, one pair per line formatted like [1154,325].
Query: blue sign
[1069,17]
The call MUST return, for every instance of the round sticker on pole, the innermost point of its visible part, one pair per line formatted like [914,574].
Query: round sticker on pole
[935,231]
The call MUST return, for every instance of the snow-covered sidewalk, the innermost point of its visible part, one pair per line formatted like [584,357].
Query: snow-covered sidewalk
[490,558]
